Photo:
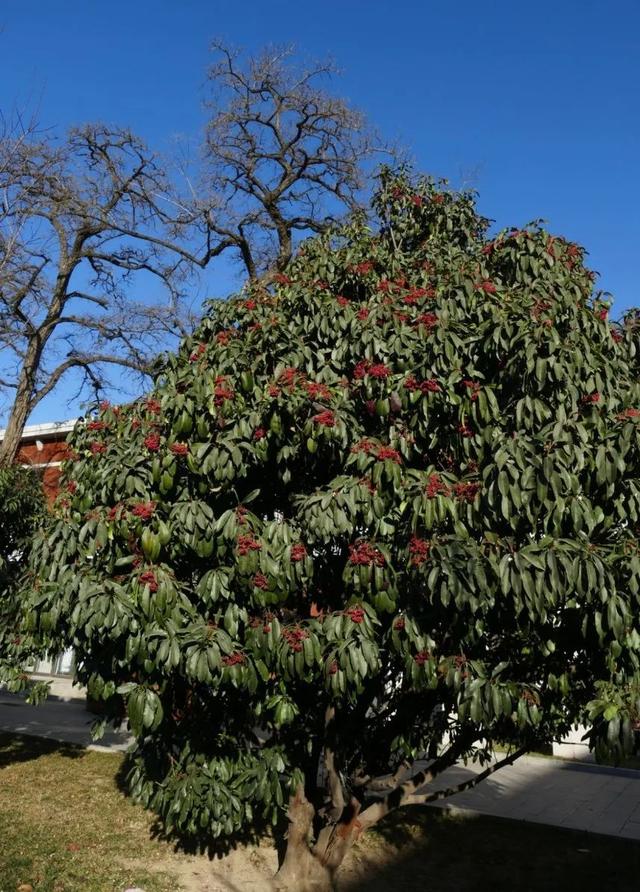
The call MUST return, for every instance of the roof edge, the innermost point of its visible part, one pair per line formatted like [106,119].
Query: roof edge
[38,431]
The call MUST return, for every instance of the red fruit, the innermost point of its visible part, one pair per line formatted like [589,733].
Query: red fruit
[379,370]
[247,543]
[325,419]
[386,453]
[152,442]
[298,552]
[149,578]
[436,487]
[144,510]
[366,554]
[419,550]
[355,614]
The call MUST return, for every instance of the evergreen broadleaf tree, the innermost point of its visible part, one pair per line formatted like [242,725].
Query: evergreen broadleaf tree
[371,521]
[22,511]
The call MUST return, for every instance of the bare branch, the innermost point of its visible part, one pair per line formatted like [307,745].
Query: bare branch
[424,798]
[283,157]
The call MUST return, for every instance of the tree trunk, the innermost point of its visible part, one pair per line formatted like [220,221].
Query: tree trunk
[313,868]
[23,402]
[13,434]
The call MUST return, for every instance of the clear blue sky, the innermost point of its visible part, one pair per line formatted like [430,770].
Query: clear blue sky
[537,105]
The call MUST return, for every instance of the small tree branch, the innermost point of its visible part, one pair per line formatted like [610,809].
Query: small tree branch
[424,798]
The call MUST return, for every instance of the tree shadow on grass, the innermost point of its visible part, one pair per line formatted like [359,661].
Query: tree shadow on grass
[15,748]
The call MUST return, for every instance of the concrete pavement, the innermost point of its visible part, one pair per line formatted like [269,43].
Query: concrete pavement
[564,793]
[64,718]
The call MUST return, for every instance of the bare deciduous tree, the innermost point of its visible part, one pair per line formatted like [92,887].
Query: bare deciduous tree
[86,222]
[282,156]
[82,224]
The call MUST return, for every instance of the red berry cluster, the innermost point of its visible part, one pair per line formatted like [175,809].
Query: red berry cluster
[325,419]
[248,543]
[149,578]
[429,320]
[298,552]
[436,487]
[473,387]
[355,614]
[294,637]
[430,385]
[365,554]
[144,510]
[386,453]
[466,492]
[419,550]
[222,391]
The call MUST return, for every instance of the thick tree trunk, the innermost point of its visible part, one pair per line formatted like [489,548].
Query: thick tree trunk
[13,434]
[313,868]
[23,402]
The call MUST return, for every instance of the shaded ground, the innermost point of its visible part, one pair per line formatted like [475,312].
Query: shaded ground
[66,827]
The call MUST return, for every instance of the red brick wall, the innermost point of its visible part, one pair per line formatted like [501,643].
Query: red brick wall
[52,451]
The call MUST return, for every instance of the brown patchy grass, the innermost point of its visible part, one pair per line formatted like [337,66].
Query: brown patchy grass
[65,826]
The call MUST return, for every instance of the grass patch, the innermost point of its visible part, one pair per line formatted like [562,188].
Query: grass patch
[65,826]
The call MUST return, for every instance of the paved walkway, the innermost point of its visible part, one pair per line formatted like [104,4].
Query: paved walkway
[58,718]
[563,793]
[570,794]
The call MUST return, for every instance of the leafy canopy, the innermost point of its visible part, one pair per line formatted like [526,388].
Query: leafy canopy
[385,509]
[22,507]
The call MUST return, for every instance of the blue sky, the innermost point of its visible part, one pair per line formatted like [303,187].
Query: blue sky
[536,105]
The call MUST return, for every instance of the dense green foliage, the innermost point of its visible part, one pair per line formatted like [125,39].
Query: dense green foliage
[22,508]
[404,483]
